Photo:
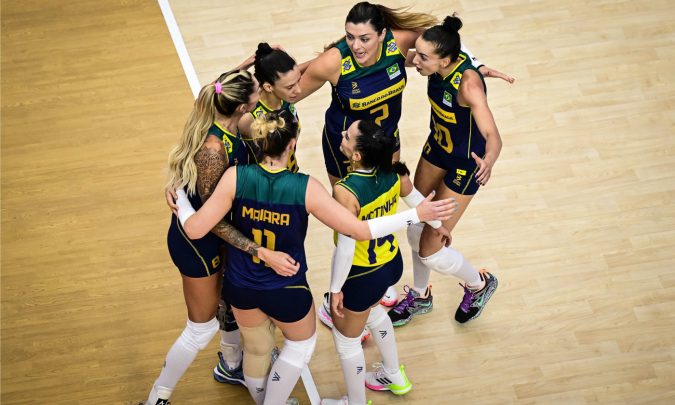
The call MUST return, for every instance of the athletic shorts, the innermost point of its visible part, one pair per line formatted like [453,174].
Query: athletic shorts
[365,286]
[286,304]
[460,171]
[194,258]
[337,164]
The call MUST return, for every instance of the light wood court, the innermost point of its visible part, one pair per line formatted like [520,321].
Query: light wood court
[578,221]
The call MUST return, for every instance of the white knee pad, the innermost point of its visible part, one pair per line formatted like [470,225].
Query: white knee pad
[196,336]
[376,317]
[414,234]
[298,352]
[258,343]
[346,347]
[445,261]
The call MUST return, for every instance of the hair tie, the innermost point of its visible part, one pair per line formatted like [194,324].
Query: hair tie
[219,87]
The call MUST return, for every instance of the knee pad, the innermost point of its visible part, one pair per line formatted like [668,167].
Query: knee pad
[376,317]
[258,342]
[414,234]
[298,352]
[346,347]
[445,261]
[196,336]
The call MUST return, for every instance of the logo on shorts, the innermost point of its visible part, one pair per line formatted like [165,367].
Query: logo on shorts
[458,178]
[393,71]
[447,98]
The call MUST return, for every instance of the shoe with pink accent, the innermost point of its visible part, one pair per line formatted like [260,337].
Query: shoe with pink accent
[324,316]
[390,298]
[381,380]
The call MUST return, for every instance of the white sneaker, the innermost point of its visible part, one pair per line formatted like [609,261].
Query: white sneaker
[390,298]
[324,316]
[381,380]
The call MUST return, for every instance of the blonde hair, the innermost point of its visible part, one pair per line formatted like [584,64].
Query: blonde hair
[273,131]
[381,17]
[224,95]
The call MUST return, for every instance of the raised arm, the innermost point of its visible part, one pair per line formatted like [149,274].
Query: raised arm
[472,93]
[324,68]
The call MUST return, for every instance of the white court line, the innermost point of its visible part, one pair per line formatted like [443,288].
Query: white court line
[191,75]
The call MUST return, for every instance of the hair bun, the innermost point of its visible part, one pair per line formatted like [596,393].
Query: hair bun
[452,23]
[263,50]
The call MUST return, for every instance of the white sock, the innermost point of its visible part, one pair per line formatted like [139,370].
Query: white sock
[383,334]
[180,356]
[230,346]
[256,387]
[421,274]
[353,365]
[451,262]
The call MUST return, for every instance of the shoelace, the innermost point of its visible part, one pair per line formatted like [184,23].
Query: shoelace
[405,302]
[467,300]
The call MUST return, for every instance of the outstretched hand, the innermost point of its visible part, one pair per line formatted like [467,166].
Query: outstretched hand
[441,210]
[489,72]
[484,169]
[282,263]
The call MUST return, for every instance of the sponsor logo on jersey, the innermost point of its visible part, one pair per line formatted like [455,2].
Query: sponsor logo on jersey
[367,102]
[441,113]
[447,98]
[355,88]
[456,79]
[392,49]
[393,71]
[347,65]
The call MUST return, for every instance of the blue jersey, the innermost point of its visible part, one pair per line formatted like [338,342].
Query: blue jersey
[369,93]
[269,208]
[235,147]
[452,126]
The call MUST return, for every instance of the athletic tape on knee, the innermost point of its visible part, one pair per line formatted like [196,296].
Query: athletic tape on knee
[298,352]
[414,234]
[258,342]
[196,336]
[445,261]
[376,317]
[346,347]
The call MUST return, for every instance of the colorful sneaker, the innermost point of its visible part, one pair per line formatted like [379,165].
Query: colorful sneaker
[159,402]
[410,306]
[380,380]
[342,401]
[222,373]
[324,316]
[390,298]
[474,301]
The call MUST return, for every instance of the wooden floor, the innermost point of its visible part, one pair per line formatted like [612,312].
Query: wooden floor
[578,221]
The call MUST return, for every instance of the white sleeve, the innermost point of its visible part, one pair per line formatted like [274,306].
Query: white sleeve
[383,226]
[414,199]
[474,61]
[185,209]
[343,257]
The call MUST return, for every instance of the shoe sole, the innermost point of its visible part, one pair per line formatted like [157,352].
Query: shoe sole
[227,380]
[422,311]
[380,388]
[324,317]
[388,304]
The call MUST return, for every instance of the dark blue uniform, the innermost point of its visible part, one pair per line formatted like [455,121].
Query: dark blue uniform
[454,133]
[269,208]
[200,257]
[254,149]
[364,93]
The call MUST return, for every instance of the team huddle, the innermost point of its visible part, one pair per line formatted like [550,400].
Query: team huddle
[241,204]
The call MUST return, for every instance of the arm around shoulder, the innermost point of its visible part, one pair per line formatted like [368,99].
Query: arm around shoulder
[215,208]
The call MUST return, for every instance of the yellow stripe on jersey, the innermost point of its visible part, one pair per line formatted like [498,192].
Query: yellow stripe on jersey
[367,102]
[442,114]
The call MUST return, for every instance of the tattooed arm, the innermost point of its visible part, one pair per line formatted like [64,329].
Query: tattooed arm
[211,162]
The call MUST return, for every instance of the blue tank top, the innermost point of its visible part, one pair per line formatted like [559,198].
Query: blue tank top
[452,125]
[269,208]
[371,93]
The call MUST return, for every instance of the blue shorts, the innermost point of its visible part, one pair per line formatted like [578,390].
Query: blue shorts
[337,164]
[286,304]
[460,171]
[365,286]
[194,258]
